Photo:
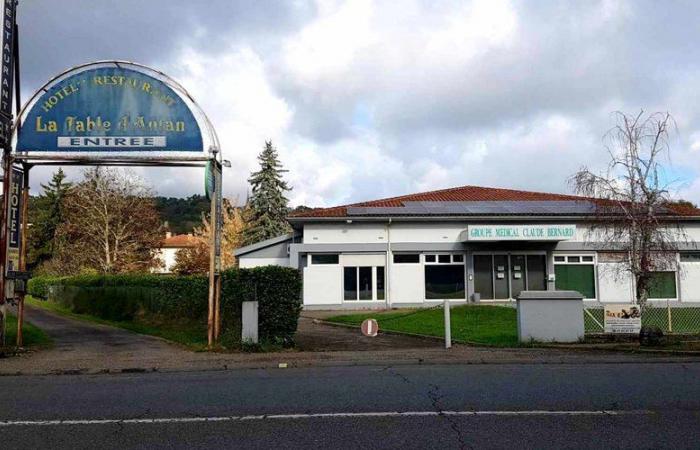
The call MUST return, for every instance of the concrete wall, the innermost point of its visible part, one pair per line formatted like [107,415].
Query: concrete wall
[248,262]
[407,283]
[614,284]
[323,285]
[690,282]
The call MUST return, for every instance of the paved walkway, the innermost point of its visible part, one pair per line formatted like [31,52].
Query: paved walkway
[84,347]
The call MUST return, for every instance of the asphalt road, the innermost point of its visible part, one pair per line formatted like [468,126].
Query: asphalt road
[653,405]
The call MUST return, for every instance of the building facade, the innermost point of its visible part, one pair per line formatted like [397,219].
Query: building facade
[466,244]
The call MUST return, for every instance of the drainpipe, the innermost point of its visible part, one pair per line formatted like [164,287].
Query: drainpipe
[389,259]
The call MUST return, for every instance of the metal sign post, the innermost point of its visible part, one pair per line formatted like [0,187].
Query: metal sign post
[8,51]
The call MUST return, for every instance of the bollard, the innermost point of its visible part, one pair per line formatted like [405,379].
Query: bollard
[249,328]
[448,328]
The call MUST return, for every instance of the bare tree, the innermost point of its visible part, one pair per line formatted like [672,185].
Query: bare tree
[633,211]
[110,224]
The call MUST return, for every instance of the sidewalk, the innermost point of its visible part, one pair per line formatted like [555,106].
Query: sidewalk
[110,350]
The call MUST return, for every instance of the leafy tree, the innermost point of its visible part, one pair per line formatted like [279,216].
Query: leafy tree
[45,217]
[196,259]
[267,207]
[110,225]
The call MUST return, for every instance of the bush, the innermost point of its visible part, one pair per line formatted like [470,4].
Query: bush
[125,297]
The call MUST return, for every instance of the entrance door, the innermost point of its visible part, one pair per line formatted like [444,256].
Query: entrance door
[500,281]
[518,272]
[536,273]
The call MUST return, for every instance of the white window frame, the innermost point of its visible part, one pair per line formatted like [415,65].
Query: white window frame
[357,283]
[581,262]
[451,263]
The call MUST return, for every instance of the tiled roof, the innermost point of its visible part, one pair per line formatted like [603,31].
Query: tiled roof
[461,194]
[179,241]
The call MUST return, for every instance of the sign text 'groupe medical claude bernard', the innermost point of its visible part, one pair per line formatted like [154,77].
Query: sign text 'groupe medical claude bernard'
[521,232]
[109,109]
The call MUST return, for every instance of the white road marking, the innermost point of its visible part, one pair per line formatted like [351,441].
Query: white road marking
[19,423]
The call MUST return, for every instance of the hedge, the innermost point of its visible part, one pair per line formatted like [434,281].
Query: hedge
[124,297]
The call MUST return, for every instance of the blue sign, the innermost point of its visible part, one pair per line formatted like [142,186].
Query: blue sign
[110,109]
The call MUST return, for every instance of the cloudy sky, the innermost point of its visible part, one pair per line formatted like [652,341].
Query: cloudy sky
[367,99]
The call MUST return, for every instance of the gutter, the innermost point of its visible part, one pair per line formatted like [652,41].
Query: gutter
[499,218]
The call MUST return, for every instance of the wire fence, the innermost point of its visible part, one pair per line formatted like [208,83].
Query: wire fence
[671,319]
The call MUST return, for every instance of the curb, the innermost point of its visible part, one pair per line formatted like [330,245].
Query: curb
[581,347]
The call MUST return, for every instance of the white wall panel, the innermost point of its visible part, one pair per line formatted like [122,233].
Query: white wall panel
[323,284]
[350,259]
[339,233]
[690,282]
[614,285]
[245,263]
[407,283]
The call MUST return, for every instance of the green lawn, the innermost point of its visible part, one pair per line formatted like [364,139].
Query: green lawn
[33,336]
[491,325]
[190,334]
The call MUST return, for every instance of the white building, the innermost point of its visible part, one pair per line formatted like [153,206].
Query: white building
[168,249]
[464,244]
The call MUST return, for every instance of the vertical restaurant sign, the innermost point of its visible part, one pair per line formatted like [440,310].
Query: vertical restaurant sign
[109,109]
[14,214]
[9,8]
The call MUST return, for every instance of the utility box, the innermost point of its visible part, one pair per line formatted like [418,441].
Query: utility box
[249,328]
[550,316]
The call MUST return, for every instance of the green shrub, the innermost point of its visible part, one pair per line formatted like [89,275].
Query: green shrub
[124,297]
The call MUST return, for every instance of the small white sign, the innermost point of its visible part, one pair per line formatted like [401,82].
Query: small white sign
[622,319]
[111,141]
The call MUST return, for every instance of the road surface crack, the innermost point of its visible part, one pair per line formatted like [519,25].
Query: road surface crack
[435,398]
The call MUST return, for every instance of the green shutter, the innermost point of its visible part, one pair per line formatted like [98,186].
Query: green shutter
[663,285]
[575,277]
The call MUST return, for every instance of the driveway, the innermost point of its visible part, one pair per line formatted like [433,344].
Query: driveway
[84,345]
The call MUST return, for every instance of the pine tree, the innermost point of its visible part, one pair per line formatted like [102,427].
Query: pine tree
[267,208]
[48,215]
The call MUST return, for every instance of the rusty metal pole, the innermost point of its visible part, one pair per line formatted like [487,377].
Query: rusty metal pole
[212,266]
[217,249]
[6,164]
[23,255]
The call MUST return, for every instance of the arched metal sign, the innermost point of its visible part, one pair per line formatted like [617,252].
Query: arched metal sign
[107,113]
[116,108]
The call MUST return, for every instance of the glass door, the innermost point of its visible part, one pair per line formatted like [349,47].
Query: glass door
[518,279]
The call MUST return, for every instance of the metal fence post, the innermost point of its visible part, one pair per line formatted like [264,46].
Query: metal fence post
[448,328]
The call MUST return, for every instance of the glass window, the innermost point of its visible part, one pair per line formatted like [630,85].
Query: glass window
[690,257]
[444,259]
[430,258]
[458,258]
[663,285]
[365,283]
[380,282]
[444,282]
[587,258]
[559,259]
[406,258]
[324,259]
[574,259]
[350,283]
[579,278]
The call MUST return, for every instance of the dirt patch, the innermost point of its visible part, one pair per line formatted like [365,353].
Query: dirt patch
[313,336]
